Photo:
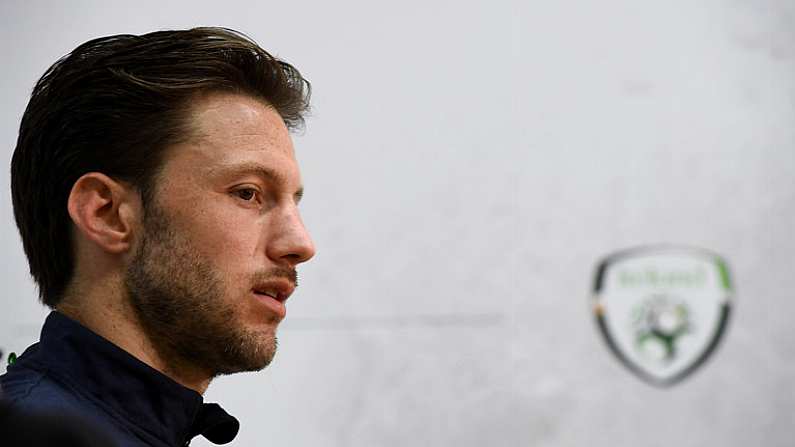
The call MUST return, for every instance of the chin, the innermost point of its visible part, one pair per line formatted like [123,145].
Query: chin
[252,352]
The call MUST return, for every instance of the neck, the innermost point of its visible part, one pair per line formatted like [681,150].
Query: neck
[106,311]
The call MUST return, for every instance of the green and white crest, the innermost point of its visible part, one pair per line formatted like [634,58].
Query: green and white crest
[662,310]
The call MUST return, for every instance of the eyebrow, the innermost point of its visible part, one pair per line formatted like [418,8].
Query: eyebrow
[258,170]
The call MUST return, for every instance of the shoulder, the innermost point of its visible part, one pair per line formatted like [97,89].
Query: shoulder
[35,397]
[34,430]
[33,393]
[30,389]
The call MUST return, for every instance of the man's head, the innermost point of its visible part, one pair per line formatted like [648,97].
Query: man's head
[166,157]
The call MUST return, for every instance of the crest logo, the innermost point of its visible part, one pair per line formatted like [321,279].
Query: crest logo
[662,310]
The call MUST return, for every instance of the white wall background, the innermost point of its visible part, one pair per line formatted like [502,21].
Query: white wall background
[466,165]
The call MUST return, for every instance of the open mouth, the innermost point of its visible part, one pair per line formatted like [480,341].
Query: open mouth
[273,301]
[277,289]
[273,295]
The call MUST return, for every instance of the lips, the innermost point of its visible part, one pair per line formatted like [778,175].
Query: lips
[273,293]
[279,290]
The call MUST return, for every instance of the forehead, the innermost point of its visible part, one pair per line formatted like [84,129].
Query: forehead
[224,130]
[220,117]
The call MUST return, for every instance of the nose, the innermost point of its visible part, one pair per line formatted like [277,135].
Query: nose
[291,244]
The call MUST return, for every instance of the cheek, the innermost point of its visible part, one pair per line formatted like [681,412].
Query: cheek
[227,235]
[230,238]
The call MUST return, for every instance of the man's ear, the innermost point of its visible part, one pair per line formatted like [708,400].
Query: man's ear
[104,211]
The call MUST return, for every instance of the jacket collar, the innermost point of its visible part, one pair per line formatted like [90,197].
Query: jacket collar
[128,388]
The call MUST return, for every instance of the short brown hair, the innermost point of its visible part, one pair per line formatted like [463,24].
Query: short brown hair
[113,105]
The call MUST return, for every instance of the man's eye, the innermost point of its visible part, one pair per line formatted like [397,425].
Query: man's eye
[246,194]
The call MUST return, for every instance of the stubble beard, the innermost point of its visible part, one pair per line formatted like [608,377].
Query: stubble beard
[178,298]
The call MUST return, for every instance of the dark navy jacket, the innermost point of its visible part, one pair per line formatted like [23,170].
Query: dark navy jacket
[76,372]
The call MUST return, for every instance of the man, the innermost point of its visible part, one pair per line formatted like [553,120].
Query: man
[156,191]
